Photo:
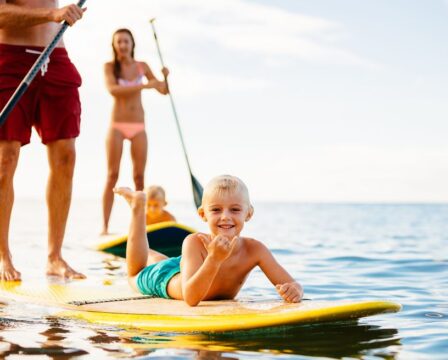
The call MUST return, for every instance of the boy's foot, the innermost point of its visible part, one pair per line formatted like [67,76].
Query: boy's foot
[58,267]
[135,199]
[7,271]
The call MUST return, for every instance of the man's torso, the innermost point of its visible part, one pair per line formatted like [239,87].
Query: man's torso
[38,35]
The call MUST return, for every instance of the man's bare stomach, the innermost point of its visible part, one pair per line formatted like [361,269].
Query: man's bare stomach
[38,35]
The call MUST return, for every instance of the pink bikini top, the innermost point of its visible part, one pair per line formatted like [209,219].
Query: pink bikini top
[137,81]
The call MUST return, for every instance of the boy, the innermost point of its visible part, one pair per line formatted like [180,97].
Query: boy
[212,266]
[155,204]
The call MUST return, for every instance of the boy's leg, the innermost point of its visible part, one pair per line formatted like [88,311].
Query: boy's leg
[138,253]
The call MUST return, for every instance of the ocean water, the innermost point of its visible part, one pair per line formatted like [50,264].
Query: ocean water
[337,251]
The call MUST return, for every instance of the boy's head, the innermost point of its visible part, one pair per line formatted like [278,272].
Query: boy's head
[226,205]
[155,200]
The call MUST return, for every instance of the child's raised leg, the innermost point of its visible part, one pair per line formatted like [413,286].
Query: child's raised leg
[138,253]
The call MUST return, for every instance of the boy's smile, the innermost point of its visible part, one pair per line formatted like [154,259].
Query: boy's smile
[226,213]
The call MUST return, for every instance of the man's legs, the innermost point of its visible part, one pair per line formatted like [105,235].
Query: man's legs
[61,159]
[9,155]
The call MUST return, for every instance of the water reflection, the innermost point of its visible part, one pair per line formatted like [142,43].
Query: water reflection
[49,343]
[328,340]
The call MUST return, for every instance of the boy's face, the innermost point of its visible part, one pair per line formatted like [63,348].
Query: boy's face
[226,213]
[154,207]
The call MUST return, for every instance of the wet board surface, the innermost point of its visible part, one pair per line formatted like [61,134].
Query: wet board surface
[120,306]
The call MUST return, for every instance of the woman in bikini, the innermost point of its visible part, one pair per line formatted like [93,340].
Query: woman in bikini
[125,80]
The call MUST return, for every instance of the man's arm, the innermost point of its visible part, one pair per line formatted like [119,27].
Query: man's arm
[15,16]
[289,289]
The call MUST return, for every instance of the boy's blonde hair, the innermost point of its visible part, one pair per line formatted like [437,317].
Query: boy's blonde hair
[155,192]
[224,184]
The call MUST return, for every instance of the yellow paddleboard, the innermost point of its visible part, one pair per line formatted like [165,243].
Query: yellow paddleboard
[118,305]
[165,237]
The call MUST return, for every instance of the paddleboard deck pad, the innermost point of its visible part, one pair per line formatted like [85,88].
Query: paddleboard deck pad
[165,237]
[118,305]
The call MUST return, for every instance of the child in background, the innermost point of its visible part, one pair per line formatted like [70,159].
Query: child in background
[212,266]
[155,203]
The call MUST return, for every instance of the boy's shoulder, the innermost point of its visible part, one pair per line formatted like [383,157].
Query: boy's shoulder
[253,245]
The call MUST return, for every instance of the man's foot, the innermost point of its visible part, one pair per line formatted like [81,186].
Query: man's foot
[7,271]
[135,199]
[61,269]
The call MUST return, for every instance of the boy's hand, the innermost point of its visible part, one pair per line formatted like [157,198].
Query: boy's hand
[291,292]
[220,247]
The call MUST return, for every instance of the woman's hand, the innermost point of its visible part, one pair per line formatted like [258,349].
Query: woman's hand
[291,292]
[165,72]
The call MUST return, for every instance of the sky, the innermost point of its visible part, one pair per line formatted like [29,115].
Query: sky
[305,100]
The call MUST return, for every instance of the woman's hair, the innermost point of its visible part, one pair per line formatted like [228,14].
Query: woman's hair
[117,65]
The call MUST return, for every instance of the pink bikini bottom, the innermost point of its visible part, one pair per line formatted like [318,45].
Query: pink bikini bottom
[128,129]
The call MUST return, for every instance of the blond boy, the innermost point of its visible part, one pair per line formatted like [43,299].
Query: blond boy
[155,204]
[212,266]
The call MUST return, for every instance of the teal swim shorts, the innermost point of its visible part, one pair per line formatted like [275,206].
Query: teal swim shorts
[154,279]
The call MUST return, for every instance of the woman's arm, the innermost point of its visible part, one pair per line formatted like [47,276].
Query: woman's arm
[153,82]
[15,16]
[289,289]
[114,88]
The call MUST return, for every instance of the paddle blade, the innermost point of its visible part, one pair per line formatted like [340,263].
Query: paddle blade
[197,191]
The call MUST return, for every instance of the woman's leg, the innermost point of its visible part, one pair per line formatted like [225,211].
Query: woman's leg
[114,149]
[139,151]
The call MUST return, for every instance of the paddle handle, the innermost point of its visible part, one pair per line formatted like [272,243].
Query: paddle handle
[179,130]
[12,102]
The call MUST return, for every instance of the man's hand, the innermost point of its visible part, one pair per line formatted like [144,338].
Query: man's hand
[70,13]
[291,292]
[220,247]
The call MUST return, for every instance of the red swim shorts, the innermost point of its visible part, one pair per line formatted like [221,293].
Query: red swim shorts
[51,102]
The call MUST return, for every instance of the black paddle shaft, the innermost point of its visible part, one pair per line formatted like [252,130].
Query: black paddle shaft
[197,187]
[33,71]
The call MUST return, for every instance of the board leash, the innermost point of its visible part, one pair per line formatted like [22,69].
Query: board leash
[100,301]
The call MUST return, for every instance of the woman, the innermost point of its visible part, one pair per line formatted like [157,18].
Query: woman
[125,81]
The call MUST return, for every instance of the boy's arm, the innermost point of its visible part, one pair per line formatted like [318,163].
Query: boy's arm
[198,273]
[15,16]
[289,289]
